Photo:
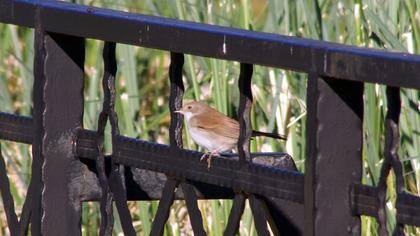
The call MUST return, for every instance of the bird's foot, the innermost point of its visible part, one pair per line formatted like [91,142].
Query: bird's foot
[207,157]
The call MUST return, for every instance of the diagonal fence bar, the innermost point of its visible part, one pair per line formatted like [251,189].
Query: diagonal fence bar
[193,210]
[16,227]
[165,204]
[6,195]
[235,215]
[260,215]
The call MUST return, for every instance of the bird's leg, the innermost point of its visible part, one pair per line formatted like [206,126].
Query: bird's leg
[208,156]
[204,156]
[212,154]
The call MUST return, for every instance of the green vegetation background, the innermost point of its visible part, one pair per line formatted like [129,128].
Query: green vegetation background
[143,91]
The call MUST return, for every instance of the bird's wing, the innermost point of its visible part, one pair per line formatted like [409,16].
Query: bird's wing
[217,124]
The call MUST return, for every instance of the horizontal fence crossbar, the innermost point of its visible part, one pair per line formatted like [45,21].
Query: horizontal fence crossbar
[303,55]
[223,171]
[16,128]
[186,164]
[364,200]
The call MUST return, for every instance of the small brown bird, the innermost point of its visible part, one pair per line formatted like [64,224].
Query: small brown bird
[213,130]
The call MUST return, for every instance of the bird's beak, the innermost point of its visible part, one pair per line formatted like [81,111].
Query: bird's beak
[180,112]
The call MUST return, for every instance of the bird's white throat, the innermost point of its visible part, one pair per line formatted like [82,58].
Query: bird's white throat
[188,115]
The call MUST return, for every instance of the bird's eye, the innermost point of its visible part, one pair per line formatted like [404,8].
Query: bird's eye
[189,107]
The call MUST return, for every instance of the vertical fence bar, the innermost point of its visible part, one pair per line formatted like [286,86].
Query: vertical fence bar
[117,175]
[334,152]
[393,135]
[244,112]
[62,116]
[38,129]
[175,138]
[106,209]
[175,99]
[391,160]
[245,132]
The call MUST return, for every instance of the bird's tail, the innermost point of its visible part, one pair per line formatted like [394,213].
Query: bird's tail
[271,135]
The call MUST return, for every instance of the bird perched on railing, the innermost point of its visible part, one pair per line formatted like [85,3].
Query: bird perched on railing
[213,130]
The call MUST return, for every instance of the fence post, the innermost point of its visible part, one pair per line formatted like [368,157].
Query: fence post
[334,155]
[38,134]
[58,112]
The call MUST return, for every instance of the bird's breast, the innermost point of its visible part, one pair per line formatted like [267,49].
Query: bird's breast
[202,138]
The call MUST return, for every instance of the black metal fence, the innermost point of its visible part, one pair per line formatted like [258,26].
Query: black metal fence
[68,161]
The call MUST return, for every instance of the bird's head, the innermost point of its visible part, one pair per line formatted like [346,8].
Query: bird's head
[192,108]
